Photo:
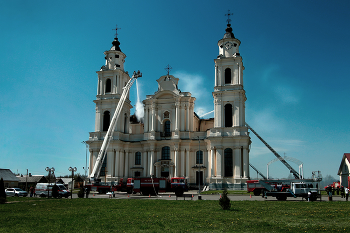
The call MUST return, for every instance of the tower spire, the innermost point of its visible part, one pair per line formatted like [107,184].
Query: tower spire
[116,43]
[228,30]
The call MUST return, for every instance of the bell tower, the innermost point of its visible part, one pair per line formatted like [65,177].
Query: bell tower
[229,95]
[111,80]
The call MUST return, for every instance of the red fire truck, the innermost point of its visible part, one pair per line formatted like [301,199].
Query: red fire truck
[112,187]
[257,188]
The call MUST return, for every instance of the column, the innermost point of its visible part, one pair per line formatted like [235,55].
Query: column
[182,172]
[153,118]
[121,163]
[151,162]
[144,163]
[127,153]
[146,121]
[187,118]
[206,161]
[116,164]
[219,162]
[237,163]
[110,163]
[187,163]
[245,163]
[212,157]
[191,117]
[182,118]
[177,116]
[176,162]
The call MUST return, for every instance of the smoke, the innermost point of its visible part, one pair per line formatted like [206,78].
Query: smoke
[139,111]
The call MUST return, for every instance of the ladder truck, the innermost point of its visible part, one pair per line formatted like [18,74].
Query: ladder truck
[109,136]
[292,170]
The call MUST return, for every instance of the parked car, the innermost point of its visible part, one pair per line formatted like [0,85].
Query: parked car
[16,192]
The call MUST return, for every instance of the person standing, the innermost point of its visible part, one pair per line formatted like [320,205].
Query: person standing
[346,193]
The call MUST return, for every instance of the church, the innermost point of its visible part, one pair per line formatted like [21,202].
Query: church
[171,140]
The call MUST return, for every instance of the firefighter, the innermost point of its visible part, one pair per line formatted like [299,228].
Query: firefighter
[346,193]
[342,192]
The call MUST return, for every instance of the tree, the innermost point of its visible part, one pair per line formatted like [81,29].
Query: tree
[2,192]
[225,201]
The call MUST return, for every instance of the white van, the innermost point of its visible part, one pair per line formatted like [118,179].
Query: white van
[44,189]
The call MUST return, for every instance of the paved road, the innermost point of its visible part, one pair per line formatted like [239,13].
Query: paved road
[171,196]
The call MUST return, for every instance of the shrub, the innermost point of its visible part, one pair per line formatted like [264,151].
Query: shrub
[225,201]
[2,192]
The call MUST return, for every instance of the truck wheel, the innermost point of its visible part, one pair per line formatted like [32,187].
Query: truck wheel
[281,198]
[129,191]
[257,192]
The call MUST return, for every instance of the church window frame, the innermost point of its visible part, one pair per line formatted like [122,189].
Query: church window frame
[199,157]
[228,113]
[108,85]
[166,115]
[228,161]
[167,128]
[165,153]
[138,158]
[228,76]
[106,120]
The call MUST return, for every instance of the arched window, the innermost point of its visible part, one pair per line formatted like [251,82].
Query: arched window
[108,86]
[227,76]
[106,120]
[167,132]
[228,115]
[166,152]
[138,158]
[228,162]
[199,157]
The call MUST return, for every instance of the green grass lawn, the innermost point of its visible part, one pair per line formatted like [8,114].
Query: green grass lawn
[130,215]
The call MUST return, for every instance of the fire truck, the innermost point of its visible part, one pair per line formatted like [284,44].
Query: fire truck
[112,187]
[153,186]
[281,189]
[257,188]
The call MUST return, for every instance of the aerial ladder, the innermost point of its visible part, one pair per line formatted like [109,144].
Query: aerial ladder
[294,172]
[109,135]
[257,171]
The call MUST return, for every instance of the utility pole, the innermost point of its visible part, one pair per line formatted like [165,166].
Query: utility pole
[49,170]
[27,181]
[72,170]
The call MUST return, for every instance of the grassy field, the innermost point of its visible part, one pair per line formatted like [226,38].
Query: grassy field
[130,215]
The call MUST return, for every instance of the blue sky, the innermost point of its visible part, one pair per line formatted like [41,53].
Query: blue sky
[296,77]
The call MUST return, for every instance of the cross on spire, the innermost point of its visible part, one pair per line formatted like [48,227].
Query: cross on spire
[116,31]
[168,68]
[228,16]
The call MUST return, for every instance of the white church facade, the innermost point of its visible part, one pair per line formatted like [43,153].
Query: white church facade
[171,140]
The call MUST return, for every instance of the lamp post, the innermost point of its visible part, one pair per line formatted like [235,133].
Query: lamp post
[49,170]
[86,167]
[199,170]
[72,170]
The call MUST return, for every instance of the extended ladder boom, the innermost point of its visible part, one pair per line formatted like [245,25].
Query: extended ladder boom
[295,173]
[262,175]
[109,135]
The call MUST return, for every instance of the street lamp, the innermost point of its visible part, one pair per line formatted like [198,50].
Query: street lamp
[199,169]
[49,170]
[86,167]
[72,170]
